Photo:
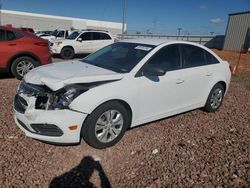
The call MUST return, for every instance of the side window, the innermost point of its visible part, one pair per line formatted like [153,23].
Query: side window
[60,34]
[2,35]
[105,36]
[97,36]
[86,36]
[168,58]
[210,59]
[10,35]
[192,56]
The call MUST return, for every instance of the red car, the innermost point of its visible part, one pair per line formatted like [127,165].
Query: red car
[21,51]
[27,29]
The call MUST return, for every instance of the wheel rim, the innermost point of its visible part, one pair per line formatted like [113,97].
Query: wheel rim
[23,67]
[216,98]
[109,126]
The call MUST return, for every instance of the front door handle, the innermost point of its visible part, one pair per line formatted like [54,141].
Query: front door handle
[11,44]
[179,81]
[209,74]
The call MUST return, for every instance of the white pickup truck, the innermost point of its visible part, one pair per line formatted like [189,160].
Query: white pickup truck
[58,34]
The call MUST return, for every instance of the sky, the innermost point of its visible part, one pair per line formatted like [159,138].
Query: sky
[194,17]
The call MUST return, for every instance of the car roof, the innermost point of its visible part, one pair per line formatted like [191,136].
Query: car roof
[11,28]
[19,30]
[157,42]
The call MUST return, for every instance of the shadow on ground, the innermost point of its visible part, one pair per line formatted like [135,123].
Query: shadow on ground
[80,175]
[4,75]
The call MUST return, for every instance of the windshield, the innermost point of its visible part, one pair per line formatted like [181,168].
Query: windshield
[54,33]
[73,35]
[119,57]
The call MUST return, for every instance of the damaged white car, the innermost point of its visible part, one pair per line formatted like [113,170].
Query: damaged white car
[120,86]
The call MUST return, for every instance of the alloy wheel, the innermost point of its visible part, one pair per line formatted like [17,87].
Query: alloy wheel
[108,126]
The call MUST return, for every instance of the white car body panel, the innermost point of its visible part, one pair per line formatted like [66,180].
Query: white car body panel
[58,75]
[183,90]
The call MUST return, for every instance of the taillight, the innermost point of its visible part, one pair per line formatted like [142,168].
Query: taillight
[41,43]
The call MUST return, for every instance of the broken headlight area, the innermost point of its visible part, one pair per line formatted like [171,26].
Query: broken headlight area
[46,99]
[60,99]
[66,95]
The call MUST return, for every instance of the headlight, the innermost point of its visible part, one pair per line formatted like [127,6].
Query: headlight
[68,94]
[58,43]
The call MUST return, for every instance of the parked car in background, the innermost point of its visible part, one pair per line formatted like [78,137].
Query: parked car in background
[81,42]
[43,33]
[122,85]
[21,51]
[57,34]
[30,30]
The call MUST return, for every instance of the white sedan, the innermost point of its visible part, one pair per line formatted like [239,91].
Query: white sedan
[123,85]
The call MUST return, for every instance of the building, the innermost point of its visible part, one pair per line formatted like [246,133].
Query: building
[238,32]
[48,22]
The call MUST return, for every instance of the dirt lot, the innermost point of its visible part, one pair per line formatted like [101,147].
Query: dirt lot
[194,149]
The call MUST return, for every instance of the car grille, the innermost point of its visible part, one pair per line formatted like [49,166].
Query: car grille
[20,104]
[47,129]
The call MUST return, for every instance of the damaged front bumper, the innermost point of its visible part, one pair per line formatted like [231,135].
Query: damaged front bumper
[47,125]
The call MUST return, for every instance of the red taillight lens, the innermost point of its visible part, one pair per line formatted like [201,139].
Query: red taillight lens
[41,43]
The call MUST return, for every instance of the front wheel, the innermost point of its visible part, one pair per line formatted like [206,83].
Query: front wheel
[67,53]
[22,66]
[106,125]
[215,98]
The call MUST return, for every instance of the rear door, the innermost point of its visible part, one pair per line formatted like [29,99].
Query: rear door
[195,76]
[101,40]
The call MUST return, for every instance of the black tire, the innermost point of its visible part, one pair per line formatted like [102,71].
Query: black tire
[89,127]
[67,53]
[22,65]
[216,94]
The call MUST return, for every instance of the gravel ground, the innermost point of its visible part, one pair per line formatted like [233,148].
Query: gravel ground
[194,149]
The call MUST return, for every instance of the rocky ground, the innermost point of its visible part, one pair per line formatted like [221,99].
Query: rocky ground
[194,149]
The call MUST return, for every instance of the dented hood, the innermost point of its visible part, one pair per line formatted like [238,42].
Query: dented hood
[57,75]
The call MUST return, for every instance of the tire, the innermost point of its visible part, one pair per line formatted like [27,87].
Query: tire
[22,65]
[215,98]
[100,121]
[67,53]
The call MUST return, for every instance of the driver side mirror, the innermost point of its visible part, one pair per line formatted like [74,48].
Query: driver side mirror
[154,70]
[79,39]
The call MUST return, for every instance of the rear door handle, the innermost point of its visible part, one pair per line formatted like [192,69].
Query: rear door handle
[11,44]
[179,81]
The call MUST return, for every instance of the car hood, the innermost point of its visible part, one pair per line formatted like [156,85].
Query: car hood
[57,75]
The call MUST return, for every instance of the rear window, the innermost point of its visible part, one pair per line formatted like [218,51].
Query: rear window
[9,35]
[193,56]
[2,35]
[210,59]
[105,36]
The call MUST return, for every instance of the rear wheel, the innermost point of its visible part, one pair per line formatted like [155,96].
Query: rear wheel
[215,98]
[67,53]
[22,66]
[106,125]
